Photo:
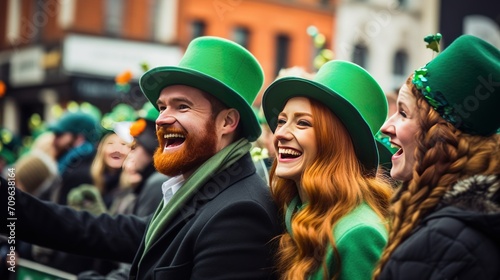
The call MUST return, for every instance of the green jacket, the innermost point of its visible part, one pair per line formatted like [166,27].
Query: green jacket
[360,237]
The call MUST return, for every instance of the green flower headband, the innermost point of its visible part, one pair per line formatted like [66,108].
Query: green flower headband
[435,98]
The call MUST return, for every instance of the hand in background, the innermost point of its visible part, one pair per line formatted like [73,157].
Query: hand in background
[86,197]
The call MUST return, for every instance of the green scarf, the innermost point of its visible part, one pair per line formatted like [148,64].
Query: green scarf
[217,163]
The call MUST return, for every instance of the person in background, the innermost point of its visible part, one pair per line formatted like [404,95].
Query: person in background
[36,170]
[107,165]
[137,168]
[36,173]
[148,198]
[105,170]
[216,219]
[76,136]
[446,215]
[324,178]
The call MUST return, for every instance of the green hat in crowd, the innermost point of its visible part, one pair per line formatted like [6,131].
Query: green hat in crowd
[259,114]
[385,151]
[78,123]
[10,145]
[142,128]
[349,91]
[120,113]
[148,112]
[219,67]
[463,85]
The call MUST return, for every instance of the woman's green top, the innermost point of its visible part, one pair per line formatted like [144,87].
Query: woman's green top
[360,237]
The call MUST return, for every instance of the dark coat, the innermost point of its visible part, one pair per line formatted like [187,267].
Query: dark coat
[461,240]
[76,172]
[224,232]
[150,196]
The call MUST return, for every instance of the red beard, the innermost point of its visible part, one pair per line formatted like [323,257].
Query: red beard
[197,148]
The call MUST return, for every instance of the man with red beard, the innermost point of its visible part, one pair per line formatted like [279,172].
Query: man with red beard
[216,219]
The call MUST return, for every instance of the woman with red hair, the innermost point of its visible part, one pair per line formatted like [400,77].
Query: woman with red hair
[325,178]
[446,215]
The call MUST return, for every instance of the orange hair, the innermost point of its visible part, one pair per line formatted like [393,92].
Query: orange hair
[335,184]
[444,155]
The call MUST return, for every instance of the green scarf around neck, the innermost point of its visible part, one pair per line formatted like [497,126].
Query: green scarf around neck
[217,163]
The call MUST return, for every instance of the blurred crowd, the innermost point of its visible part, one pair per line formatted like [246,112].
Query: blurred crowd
[88,162]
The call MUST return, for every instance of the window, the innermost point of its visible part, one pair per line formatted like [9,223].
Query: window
[198,28]
[282,50]
[400,63]
[360,55]
[39,21]
[402,3]
[399,69]
[113,17]
[241,35]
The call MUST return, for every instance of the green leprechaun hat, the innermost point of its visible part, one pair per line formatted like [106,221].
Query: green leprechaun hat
[10,145]
[349,91]
[78,122]
[463,85]
[219,67]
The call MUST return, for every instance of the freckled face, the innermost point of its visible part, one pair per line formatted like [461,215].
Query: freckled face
[402,127]
[295,139]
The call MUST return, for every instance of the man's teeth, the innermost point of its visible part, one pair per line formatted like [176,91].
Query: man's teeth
[289,152]
[172,135]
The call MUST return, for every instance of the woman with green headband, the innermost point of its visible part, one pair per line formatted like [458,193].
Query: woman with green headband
[324,178]
[446,215]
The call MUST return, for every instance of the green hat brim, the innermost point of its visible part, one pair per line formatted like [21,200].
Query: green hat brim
[278,93]
[155,80]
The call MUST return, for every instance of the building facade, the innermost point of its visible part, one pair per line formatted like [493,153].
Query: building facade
[386,36]
[56,51]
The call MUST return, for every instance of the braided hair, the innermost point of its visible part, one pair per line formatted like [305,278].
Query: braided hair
[443,156]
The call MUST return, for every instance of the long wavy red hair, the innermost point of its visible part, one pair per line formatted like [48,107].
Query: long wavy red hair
[443,156]
[335,184]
